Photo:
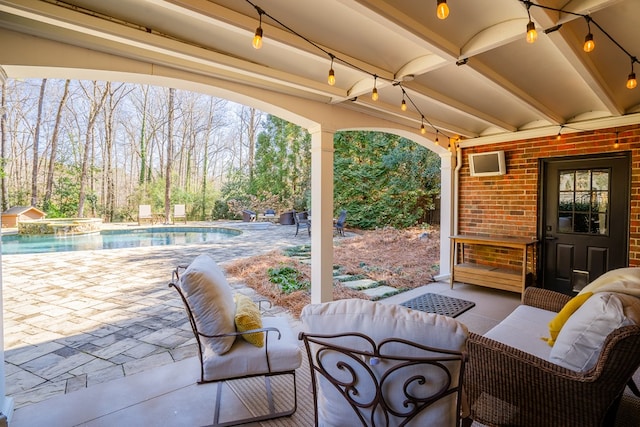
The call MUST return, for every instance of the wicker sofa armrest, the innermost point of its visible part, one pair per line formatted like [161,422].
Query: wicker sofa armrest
[545,299]
[506,386]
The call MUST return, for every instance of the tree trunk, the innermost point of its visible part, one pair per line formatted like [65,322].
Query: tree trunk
[95,108]
[3,147]
[167,188]
[54,145]
[36,144]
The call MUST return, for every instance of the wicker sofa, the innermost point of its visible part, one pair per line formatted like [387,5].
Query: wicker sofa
[513,379]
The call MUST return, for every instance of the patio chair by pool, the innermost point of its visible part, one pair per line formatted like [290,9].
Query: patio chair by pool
[234,340]
[339,225]
[144,214]
[302,221]
[248,216]
[179,212]
[369,367]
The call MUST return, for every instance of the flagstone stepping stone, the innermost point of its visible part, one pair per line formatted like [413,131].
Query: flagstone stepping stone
[380,292]
[360,284]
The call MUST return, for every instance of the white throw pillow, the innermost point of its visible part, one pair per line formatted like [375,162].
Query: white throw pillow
[623,280]
[211,301]
[580,341]
[380,321]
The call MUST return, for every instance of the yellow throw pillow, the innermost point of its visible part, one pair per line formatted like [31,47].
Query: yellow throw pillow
[247,318]
[561,318]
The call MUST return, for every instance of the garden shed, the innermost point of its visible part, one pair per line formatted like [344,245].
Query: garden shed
[12,216]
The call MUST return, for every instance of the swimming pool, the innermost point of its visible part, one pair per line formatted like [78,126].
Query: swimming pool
[115,239]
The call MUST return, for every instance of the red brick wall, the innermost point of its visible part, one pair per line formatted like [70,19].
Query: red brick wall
[507,205]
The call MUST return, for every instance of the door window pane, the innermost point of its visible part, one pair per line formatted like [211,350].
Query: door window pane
[583,202]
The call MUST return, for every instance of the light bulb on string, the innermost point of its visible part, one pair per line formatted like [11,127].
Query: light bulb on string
[423,129]
[532,34]
[374,92]
[442,10]
[437,141]
[332,75]
[257,38]
[617,143]
[631,80]
[589,44]
[403,105]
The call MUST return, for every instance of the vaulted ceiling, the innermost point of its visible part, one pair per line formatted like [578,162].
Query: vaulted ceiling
[471,75]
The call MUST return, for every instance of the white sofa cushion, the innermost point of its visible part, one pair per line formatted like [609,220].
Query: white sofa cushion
[623,280]
[526,329]
[246,359]
[580,341]
[380,321]
[211,300]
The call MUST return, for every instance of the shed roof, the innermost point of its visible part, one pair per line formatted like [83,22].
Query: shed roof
[18,210]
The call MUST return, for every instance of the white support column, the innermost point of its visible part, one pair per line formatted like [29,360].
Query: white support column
[447,198]
[321,215]
[6,403]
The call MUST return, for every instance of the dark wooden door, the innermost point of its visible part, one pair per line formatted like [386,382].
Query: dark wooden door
[585,219]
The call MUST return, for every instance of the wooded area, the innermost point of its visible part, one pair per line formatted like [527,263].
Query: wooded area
[99,149]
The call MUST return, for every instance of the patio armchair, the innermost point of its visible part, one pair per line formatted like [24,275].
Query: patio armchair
[144,214]
[179,212]
[514,378]
[248,216]
[302,221]
[234,340]
[375,364]
[339,225]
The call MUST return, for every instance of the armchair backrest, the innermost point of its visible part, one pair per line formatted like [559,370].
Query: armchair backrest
[376,364]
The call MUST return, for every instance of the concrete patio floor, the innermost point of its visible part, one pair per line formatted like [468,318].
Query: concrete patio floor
[97,338]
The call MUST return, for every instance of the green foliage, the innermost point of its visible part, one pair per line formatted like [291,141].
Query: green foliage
[221,210]
[383,180]
[283,165]
[288,279]
[65,198]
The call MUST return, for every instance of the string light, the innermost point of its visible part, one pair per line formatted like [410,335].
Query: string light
[257,43]
[257,38]
[617,143]
[442,10]
[532,34]
[374,92]
[559,135]
[332,75]
[631,80]
[589,44]
[437,141]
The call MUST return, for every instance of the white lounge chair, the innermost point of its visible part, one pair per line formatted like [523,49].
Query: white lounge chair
[144,214]
[179,212]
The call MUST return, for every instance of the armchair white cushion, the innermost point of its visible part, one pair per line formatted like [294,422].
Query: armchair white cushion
[209,295]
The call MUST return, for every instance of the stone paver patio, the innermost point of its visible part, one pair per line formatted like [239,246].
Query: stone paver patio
[77,319]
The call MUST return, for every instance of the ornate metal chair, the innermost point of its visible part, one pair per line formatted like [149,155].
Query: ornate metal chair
[369,380]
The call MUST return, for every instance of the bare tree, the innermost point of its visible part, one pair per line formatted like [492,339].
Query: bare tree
[169,162]
[95,107]
[36,143]
[54,145]
[3,146]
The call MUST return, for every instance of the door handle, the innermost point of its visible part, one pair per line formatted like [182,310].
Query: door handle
[550,238]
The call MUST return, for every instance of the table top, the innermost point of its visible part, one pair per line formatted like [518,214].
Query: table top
[495,241]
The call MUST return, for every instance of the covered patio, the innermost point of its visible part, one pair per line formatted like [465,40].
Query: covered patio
[471,83]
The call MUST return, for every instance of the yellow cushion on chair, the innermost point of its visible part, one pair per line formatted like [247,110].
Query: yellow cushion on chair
[247,318]
[561,318]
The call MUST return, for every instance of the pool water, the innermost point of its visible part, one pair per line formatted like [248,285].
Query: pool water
[115,239]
